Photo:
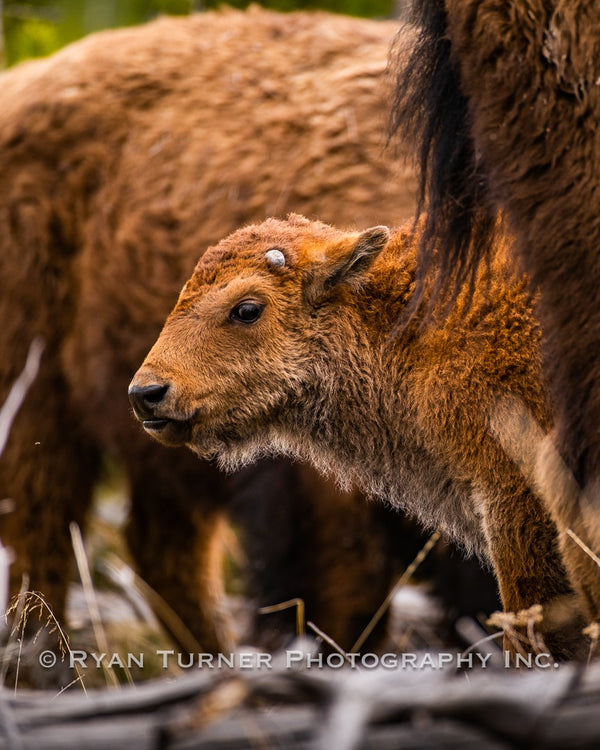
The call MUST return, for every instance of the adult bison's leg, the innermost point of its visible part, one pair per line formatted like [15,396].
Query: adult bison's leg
[305,539]
[47,472]
[177,507]
[523,547]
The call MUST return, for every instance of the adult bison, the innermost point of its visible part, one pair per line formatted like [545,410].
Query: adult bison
[121,158]
[502,102]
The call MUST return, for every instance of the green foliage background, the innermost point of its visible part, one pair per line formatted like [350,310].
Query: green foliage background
[33,28]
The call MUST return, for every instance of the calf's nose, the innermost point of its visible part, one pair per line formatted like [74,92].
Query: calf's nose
[145,399]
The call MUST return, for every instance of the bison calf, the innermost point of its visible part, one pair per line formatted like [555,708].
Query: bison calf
[285,340]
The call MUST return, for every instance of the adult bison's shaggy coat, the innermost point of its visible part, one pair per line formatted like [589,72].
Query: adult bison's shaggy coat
[504,100]
[121,158]
[285,340]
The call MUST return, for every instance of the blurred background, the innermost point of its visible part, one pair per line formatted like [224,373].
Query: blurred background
[36,28]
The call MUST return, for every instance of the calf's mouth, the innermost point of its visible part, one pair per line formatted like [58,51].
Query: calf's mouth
[172,432]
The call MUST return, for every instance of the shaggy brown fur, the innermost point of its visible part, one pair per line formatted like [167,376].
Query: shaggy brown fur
[505,101]
[300,358]
[121,158]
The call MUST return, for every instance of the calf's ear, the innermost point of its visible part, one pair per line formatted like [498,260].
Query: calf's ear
[346,263]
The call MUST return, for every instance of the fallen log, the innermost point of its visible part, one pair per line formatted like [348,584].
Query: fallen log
[345,709]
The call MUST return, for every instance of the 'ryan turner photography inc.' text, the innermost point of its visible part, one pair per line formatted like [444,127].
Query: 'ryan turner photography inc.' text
[293,659]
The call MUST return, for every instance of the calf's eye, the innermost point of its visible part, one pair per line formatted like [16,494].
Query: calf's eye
[246,312]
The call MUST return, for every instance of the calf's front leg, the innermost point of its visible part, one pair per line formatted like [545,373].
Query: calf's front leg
[523,548]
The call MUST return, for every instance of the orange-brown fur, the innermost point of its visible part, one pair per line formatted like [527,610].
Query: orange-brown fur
[324,374]
[121,158]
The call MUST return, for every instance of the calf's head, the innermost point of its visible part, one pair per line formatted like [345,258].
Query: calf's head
[245,342]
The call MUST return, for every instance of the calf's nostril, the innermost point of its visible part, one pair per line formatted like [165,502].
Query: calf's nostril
[145,398]
[154,394]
